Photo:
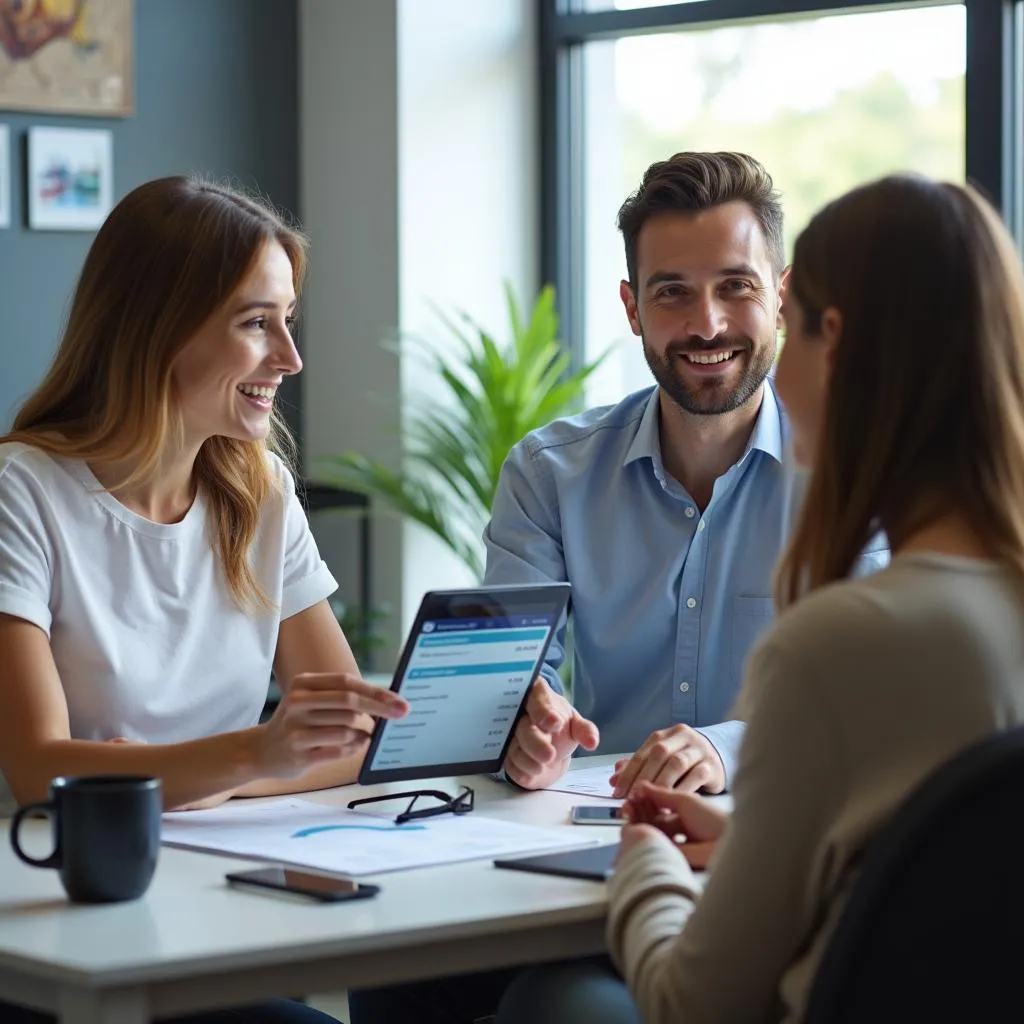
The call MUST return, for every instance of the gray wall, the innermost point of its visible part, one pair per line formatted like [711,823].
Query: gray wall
[216,91]
[348,87]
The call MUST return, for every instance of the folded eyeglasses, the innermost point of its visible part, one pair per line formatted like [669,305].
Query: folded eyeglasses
[461,803]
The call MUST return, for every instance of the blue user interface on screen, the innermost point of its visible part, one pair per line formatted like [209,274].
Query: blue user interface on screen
[464,682]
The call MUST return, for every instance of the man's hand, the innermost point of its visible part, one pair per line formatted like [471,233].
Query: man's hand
[690,822]
[678,757]
[546,737]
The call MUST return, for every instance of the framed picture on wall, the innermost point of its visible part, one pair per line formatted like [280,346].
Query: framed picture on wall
[5,176]
[70,178]
[66,56]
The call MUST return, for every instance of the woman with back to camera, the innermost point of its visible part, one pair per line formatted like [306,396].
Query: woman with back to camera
[903,376]
[155,562]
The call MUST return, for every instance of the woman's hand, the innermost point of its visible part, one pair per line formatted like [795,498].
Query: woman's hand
[631,835]
[688,820]
[207,803]
[196,805]
[322,716]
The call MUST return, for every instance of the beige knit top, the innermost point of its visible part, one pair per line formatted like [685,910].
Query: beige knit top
[855,695]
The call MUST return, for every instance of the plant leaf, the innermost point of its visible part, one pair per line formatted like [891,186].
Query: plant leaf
[491,396]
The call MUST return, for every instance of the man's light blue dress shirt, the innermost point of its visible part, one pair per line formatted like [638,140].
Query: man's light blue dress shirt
[667,602]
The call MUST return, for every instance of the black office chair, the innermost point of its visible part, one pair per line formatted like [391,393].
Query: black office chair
[934,928]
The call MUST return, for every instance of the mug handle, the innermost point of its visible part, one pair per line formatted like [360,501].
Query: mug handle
[46,807]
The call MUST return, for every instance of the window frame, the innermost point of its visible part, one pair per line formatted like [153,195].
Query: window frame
[994,114]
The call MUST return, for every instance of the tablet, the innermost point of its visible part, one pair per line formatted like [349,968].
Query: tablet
[465,670]
[594,862]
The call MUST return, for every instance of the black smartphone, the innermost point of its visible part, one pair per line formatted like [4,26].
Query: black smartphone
[311,885]
[597,814]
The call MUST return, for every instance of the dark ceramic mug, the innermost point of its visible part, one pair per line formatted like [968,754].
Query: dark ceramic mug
[106,832]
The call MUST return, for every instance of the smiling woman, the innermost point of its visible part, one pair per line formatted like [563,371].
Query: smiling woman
[228,372]
[150,337]
[155,561]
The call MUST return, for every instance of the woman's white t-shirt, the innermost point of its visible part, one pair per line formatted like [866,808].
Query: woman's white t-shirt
[148,641]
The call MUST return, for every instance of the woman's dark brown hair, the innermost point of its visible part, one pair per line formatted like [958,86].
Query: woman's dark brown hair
[925,408]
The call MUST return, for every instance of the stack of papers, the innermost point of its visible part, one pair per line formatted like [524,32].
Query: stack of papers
[294,831]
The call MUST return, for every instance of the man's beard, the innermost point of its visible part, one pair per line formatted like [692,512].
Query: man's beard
[711,397]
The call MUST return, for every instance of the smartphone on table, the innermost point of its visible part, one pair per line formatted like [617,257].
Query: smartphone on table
[597,814]
[311,885]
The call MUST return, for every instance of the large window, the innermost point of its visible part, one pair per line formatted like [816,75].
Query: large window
[825,99]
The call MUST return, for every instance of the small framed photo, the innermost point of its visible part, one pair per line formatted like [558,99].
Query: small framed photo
[5,176]
[70,178]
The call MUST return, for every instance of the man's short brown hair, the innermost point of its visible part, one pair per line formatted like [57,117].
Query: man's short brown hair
[696,182]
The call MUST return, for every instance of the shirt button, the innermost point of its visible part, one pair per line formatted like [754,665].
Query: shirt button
[690,511]
[701,525]
[684,687]
[691,602]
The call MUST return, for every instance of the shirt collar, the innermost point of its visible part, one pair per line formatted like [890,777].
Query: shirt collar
[767,435]
[646,443]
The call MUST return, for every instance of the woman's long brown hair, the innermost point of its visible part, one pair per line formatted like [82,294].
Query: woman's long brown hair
[925,409]
[169,255]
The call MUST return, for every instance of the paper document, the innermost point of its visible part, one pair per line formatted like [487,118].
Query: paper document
[301,832]
[592,781]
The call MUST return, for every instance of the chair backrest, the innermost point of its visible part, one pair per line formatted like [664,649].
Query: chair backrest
[934,927]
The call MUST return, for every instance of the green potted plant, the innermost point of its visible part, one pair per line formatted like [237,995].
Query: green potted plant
[456,442]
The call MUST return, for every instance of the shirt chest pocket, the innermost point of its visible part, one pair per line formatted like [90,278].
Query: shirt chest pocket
[751,616]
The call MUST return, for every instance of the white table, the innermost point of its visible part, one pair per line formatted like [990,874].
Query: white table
[192,943]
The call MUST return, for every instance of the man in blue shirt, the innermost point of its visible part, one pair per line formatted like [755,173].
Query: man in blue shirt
[668,511]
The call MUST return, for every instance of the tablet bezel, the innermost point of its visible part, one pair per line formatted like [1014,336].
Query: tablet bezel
[437,604]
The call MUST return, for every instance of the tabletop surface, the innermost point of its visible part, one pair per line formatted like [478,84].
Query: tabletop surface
[191,922]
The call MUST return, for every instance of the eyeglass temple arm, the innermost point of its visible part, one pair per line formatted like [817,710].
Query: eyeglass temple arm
[436,793]
[373,799]
[431,812]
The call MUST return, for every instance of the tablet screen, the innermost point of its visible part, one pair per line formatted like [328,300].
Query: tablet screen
[465,671]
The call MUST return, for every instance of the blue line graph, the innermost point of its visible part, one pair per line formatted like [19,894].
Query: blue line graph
[304,832]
